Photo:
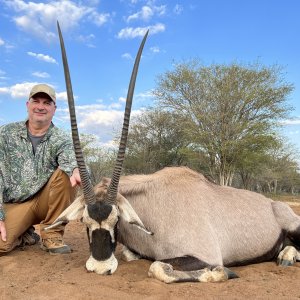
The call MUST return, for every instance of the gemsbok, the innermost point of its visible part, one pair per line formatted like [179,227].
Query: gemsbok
[191,228]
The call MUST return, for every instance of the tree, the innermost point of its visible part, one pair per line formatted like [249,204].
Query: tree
[226,108]
[271,168]
[100,161]
[155,140]
[279,170]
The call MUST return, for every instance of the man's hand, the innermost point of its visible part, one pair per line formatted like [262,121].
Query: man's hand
[75,178]
[3,231]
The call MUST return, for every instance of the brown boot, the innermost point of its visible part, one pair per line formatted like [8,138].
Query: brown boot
[29,238]
[55,245]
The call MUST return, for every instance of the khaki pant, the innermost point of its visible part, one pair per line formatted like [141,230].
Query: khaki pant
[44,208]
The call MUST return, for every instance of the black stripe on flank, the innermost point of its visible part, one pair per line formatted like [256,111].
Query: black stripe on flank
[187,263]
[102,246]
[190,263]
[269,255]
[295,236]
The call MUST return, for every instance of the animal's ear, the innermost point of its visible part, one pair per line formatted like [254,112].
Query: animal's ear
[72,212]
[128,214]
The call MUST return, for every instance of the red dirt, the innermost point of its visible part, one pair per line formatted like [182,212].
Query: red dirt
[34,274]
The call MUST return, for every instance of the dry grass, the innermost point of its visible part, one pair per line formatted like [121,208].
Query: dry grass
[290,199]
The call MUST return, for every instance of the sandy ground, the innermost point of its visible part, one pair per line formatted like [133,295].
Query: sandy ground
[34,274]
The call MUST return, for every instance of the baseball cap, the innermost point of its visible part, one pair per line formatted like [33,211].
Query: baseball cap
[43,88]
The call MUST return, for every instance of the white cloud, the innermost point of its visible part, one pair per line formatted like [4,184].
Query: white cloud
[43,57]
[5,45]
[155,49]
[4,90]
[87,40]
[19,90]
[93,2]
[99,19]
[178,9]
[130,32]
[295,121]
[143,97]
[140,98]
[157,28]
[101,121]
[144,14]
[33,27]
[91,119]
[41,74]
[127,56]
[62,96]
[39,19]
[160,10]
[116,105]
[22,90]
[147,12]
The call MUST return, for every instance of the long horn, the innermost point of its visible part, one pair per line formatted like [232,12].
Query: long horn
[113,187]
[87,187]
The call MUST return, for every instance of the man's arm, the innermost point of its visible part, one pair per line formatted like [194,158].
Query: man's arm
[3,231]
[67,160]
[2,214]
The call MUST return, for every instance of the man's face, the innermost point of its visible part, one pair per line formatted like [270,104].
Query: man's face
[41,109]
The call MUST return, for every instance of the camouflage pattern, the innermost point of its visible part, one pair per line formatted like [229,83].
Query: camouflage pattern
[23,174]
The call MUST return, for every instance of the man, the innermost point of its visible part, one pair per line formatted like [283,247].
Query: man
[37,173]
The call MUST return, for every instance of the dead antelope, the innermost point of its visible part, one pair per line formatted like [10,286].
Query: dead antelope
[177,218]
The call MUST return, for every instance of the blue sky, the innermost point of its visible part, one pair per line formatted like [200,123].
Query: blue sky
[102,38]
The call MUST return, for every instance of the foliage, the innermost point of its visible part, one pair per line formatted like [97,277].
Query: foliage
[99,160]
[156,140]
[227,109]
[221,120]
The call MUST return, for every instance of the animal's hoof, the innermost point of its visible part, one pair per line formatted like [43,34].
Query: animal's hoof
[287,257]
[162,272]
[230,274]
[285,263]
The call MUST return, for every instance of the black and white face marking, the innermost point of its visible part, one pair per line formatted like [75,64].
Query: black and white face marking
[101,219]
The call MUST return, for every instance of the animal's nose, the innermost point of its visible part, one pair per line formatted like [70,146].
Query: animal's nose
[108,272]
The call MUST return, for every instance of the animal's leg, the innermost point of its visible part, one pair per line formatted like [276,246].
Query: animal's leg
[128,255]
[288,256]
[165,272]
[288,220]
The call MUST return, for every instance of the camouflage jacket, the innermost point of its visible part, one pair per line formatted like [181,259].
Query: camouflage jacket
[23,173]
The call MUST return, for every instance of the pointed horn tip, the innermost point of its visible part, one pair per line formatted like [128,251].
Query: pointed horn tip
[146,34]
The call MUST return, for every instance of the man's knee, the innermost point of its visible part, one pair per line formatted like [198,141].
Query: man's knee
[54,197]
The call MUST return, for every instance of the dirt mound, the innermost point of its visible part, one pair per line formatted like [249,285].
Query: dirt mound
[34,274]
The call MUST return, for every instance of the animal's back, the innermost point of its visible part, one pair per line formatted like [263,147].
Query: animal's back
[191,216]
